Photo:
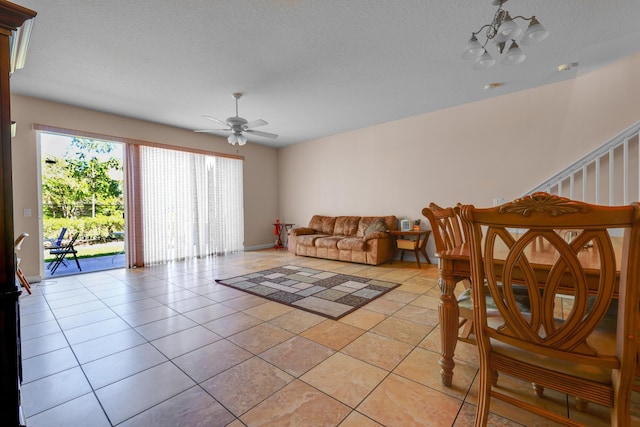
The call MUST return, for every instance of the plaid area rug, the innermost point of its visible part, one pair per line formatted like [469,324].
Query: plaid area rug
[328,294]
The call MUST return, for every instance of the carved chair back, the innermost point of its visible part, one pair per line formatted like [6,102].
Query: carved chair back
[521,244]
[446,227]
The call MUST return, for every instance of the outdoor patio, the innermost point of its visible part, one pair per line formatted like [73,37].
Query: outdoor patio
[88,265]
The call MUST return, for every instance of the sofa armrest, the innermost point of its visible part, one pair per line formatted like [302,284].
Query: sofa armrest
[376,235]
[301,231]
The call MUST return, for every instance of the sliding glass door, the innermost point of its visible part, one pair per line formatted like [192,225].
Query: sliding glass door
[180,203]
[82,201]
[190,205]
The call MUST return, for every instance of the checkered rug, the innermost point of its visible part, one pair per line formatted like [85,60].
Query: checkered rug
[332,295]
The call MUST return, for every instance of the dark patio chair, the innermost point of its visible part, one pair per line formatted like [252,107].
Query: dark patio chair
[62,252]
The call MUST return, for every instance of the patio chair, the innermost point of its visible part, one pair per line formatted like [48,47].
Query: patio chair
[50,244]
[53,244]
[17,246]
[62,252]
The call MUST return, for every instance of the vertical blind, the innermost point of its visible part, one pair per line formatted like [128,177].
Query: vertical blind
[192,204]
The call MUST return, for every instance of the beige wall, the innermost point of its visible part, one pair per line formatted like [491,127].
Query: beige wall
[260,167]
[499,147]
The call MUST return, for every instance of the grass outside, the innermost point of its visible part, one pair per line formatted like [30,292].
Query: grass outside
[90,251]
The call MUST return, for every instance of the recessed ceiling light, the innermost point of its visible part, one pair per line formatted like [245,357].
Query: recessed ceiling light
[492,86]
[568,66]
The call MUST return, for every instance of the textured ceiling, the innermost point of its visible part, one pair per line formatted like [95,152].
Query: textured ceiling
[311,68]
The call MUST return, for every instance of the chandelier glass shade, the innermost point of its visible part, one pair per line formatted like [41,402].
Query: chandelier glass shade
[503,30]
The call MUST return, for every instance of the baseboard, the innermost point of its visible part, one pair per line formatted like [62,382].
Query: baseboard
[259,247]
[34,279]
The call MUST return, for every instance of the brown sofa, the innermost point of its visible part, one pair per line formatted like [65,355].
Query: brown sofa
[345,238]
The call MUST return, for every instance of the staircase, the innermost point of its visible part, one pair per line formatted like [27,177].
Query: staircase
[609,175]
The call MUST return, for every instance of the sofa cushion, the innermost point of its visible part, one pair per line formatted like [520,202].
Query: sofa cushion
[346,225]
[316,223]
[351,244]
[322,224]
[330,242]
[328,225]
[309,239]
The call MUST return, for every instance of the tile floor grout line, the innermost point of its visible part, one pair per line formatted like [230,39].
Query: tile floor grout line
[80,365]
[168,359]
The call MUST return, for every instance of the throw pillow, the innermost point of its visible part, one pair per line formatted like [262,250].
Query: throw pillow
[376,225]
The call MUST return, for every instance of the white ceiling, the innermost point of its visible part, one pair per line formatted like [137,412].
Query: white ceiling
[311,68]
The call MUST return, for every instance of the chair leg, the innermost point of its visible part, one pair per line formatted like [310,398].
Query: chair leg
[484,397]
[581,404]
[494,378]
[23,280]
[467,329]
[55,264]
[77,262]
[538,390]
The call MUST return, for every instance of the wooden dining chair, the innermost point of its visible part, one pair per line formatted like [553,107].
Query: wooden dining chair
[446,227]
[448,233]
[568,354]
[19,274]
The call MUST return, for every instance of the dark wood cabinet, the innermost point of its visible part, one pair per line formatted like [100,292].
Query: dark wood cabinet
[12,16]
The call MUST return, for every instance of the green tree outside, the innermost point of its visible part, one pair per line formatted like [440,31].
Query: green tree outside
[83,189]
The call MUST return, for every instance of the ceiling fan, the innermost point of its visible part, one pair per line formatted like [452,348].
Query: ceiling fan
[238,126]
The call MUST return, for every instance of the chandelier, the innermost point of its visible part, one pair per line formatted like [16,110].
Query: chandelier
[502,30]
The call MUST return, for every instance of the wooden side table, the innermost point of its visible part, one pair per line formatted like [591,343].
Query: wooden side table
[415,241]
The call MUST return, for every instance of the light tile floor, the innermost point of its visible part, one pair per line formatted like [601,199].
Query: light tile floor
[167,346]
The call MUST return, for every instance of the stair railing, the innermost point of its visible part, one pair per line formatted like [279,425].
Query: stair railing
[609,175]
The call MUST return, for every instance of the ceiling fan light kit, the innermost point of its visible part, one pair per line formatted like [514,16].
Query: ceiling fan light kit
[237,139]
[502,30]
[238,126]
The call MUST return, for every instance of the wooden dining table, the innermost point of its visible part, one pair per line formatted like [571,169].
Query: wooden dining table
[455,264]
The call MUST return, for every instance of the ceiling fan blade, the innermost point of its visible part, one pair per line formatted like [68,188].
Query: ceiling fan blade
[216,120]
[255,124]
[263,134]
[212,130]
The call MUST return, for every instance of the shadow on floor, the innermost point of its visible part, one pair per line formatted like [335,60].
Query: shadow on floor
[88,265]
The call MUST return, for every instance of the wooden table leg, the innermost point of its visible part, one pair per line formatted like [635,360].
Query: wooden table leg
[424,252]
[448,315]
[423,246]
